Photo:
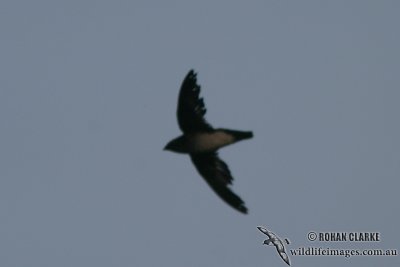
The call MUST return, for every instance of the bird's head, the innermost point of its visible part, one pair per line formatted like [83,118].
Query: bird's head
[170,146]
[267,242]
[176,145]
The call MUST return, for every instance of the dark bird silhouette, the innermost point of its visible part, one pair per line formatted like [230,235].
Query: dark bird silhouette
[201,141]
[274,240]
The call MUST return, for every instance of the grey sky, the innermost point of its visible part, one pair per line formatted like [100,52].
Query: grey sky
[88,93]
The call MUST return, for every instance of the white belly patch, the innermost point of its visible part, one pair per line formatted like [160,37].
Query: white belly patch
[203,142]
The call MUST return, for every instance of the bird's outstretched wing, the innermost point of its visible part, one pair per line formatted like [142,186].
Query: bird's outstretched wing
[217,175]
[264,231]
[284,257]
[191,109]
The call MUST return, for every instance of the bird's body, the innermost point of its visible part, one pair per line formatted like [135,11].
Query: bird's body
[201,141]
[207,141]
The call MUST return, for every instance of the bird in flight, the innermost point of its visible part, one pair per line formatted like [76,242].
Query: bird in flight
[201,141]
[274,240]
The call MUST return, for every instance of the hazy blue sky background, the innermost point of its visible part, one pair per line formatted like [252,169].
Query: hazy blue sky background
[88,93]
